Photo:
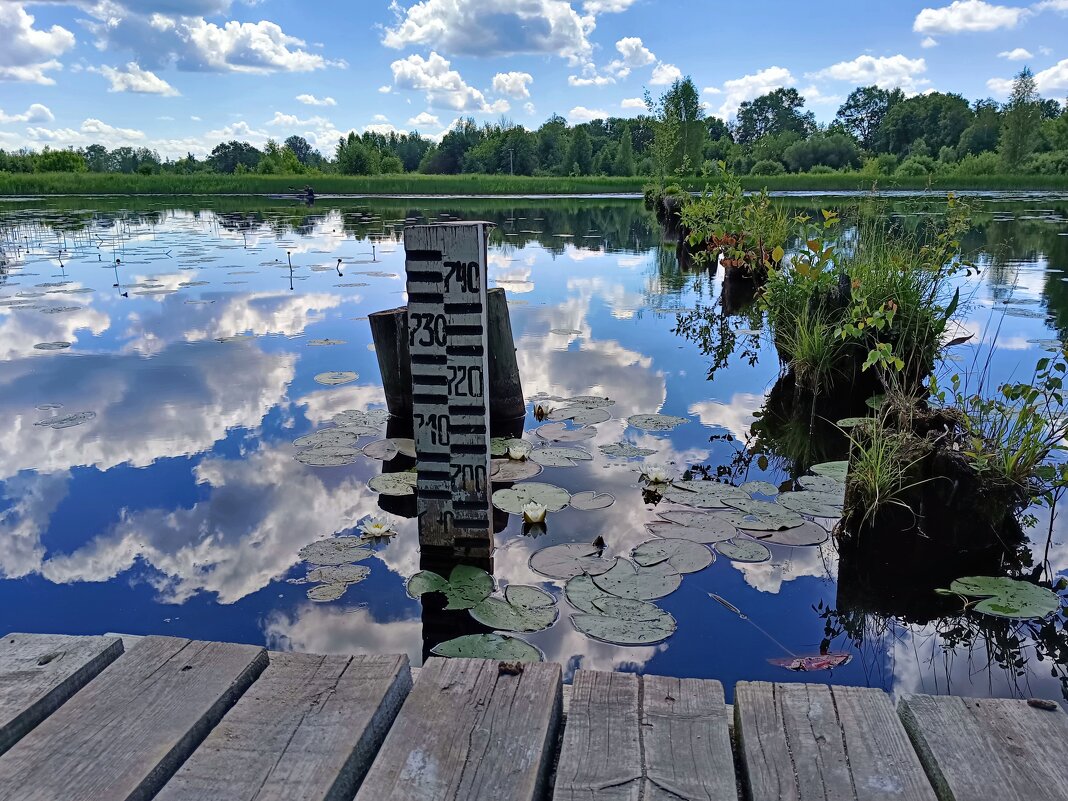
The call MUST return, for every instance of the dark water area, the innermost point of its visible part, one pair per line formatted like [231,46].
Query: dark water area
[170,501]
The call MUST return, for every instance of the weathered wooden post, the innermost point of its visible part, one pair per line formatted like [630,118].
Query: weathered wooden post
[447,342]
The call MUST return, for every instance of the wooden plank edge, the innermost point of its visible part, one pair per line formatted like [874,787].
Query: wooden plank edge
[31,717]
[923,749]
[554,735]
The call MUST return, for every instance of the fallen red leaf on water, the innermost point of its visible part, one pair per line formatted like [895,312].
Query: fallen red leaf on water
[807,663]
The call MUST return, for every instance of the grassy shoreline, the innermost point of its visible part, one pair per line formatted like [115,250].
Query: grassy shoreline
[28,184]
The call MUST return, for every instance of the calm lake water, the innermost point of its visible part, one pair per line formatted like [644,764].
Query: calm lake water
[177,507]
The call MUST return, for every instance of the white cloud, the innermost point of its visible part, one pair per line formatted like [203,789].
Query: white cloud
[886,72]
[632,102]
[607,6]
[134,79]
[1048,81]
[424,119]
[380,118]
[633,53]
[999,87]
[35,113]
[1052,5]
[591,78]
[312,100]
[529,108]
[95,127]
[664,74]
[929,42]
[513,84]
[27,53]
[737,90]
[444,87]
[583,114]
[968,16]
[91,131]
[813,96]
[463,27]
[1016,54]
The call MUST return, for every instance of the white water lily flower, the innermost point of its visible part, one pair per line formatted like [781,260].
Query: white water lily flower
[518,452]
[533,512]
[656,474]
[377,527]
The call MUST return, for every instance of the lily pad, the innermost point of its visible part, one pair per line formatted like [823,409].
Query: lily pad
[335,551]
[383,450]
[513,499]
[581,592]
[51,346]
[624,450]
[339,574]
[624,621]
[714,529]
[703,494]
[405,446]
[327,456]
[656,422]
[743,550]
[395,484]
[591,501]
[581,415]
[759,488]
[499,647]
[559,432]
[465,588]
[569,560]
[628,580]
[323,593]
[685,556]
[499,446]
[336,378]
[331,437]
[559,457]
[830,486]
[523,608]
[808,533]
[323,343]
[816,504]
[761,516]
[835,470]
[588,401]
[374,418]
[1006,597]
[508,471]
[67,421]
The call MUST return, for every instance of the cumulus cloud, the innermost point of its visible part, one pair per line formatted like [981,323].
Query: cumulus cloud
[583,114]
[424,119]
[91,131]
[886,72]
[607,6]
[737,90]
[312,100]
[929,42]
[132,78]
[1016,54]
[633,53]
[35,113]
[968,16]
[444,87]
[632,102]
[513,84]
[590,78]
[664,74]
[463,27]
[28,52]
[1048,81]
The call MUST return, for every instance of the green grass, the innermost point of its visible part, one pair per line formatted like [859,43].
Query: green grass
[416,184]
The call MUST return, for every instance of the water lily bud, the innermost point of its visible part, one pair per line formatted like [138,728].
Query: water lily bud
[533,512]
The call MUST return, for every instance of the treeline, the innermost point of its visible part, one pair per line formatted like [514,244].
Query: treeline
[876,132]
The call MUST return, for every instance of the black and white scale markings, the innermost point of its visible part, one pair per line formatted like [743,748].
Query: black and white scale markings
[446,267]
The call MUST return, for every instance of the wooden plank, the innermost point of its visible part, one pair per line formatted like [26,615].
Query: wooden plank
[471,730]
[804,741]
[601,756]
[127,731]
[982,748]
[305,731]
[687,744]
[39,672]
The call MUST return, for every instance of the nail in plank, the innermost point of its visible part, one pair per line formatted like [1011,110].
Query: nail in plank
[470,730]
[39,672]
[307,730]
[977,748]
[126,732]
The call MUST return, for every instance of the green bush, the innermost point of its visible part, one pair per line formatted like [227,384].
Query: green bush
[986,163]
[822,169]
[767,167]
[1047,163]
[917,165]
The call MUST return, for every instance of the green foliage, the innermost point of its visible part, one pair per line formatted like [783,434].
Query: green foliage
[580,153]
[59,161]
[1019,131]
[767,167]
[864,110]
[917,165]
[937,118]
[836,150]
[776,112]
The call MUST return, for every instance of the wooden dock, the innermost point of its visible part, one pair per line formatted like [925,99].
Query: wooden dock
[180,720]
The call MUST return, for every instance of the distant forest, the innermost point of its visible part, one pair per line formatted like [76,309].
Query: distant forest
[876,132]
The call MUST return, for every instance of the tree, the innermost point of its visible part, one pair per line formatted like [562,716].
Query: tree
[580,153]
[836,150]
[683,102]
[777,112]
[97,158]
[983,134]
[300,147]
[226,156]
[553,145]
[59,161]
[864,110]
[353,157]
[938,118]
[1019,129]
[624,163]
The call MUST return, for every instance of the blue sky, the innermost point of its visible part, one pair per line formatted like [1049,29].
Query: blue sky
[182,75]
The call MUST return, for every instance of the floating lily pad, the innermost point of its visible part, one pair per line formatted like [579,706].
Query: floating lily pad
[743,550]
[622,621]
[588,401]
[405,446]
[339,574]
[808,533]
[374,418]
[323,343]
[383,450]
[328,456]
[656,422]
[329,438]
[559,457]
[713,529]
[564,331]
[508,471]
[335,551]
[1006,597]
[523,608]
[569,560]
[816,504]
[499,446]
[323,593]
[830,486]
[759,488]
[685,556]
[499,647]
[336,378]
[465,588]
[581,415]
[395,484]
[835,470]
[755,515]
[581,592]
[703,494]
[60,309]
[854,422]
[51,346]
[624,450]
[513,499]
[591,501]
[559,432]
[67,421]
[628,580]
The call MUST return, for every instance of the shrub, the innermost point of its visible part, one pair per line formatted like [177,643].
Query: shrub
[767,167]
[1047,163]
[917,165]
[972,165]
[822,169]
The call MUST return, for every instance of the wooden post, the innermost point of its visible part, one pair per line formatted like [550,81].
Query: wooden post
[389,331]
[447,342]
